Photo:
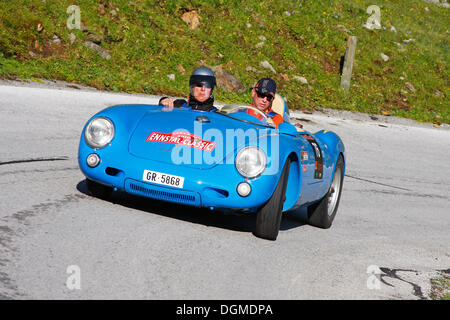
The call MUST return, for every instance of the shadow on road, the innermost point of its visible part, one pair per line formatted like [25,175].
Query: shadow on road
[244,222]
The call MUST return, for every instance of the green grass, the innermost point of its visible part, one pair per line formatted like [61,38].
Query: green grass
[147,40]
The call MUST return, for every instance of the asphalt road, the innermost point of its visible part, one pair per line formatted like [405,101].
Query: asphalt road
[390,236]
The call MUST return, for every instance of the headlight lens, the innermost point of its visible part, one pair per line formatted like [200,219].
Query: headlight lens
[99,132]
[250,162]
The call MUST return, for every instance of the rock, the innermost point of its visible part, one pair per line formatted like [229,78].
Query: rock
[192,19]
[72,38]
[98,49]
[301,79]
[226,80]
[251,69]
[267,65]
[410,87]
[95,38]
[171,76]
[56,39]
[442,3]
[384,57]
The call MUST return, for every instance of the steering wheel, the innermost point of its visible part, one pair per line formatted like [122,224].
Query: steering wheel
[230,108]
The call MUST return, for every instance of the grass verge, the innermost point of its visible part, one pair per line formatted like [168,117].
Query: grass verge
[148,40]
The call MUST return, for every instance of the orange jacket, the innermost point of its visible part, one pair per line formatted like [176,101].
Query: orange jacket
[276,118]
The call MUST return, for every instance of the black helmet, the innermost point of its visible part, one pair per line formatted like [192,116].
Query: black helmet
[202,76]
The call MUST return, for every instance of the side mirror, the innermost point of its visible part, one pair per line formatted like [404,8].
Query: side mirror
[287,128]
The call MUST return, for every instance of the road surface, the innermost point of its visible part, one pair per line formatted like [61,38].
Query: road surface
[390,236]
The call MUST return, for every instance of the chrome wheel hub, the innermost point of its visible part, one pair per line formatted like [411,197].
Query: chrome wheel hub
[334,190]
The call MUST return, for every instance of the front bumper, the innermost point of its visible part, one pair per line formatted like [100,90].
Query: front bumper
[212,188]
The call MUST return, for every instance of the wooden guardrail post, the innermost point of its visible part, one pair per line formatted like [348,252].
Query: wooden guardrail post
[348,62]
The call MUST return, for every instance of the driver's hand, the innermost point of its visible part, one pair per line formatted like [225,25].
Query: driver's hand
[168,103]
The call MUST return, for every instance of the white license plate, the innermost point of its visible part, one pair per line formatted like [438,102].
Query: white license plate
[163,178]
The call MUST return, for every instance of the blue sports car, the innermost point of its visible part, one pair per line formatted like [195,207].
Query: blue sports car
[227,159]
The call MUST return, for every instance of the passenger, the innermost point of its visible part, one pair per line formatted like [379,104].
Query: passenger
[201,85]
[263,94]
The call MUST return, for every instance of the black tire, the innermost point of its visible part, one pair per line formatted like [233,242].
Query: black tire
[268,218]
[98,190]
[319,214]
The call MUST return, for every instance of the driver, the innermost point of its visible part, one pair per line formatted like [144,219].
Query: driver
[263,94]
[201,86]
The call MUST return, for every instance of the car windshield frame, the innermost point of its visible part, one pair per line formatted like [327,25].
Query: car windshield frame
[219,111]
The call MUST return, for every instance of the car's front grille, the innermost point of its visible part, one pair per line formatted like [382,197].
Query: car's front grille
[162,193]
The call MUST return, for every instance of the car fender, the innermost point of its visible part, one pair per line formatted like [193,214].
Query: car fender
[334,146]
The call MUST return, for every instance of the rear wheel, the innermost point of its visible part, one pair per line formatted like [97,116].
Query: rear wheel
[98,190]
[322,213]
[268,218]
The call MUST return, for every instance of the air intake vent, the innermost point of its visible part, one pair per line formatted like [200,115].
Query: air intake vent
[162,193]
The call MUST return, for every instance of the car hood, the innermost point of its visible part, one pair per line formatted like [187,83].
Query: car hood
[192,138]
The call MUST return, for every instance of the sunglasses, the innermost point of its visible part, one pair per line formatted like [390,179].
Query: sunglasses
[203,84]
[269,97]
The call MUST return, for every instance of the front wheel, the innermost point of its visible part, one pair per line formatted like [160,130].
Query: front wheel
[268,218]
[322,213]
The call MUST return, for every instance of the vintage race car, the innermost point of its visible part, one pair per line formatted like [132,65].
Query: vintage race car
[230,159]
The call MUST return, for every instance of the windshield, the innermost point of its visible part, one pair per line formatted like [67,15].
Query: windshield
[247,114]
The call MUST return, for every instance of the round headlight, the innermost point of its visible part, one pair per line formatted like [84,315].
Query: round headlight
[250,162]
[99,132]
